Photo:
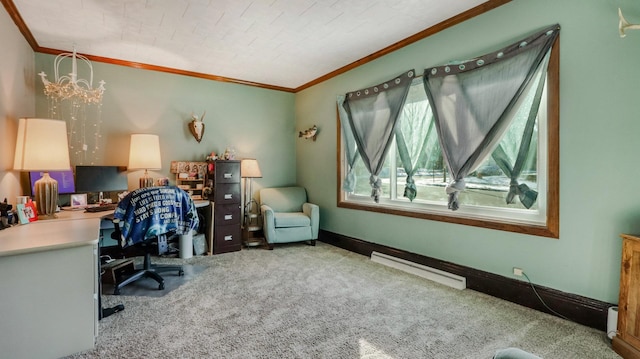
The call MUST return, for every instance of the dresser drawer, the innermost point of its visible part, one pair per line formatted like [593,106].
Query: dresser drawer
[227,239]
[226,193]
[227,172]
[227,214]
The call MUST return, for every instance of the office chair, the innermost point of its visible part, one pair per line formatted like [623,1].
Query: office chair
[145,218]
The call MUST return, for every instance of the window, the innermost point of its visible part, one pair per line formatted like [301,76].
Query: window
[483,202]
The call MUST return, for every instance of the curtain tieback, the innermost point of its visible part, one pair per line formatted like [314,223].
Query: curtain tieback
[376,190]
[410,190]
[349,184]
[453,189]
[527,195]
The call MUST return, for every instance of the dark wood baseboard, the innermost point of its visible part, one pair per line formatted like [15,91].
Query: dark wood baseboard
[582,310]
[625,349]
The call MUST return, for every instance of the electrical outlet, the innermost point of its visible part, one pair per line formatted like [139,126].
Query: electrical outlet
[517,271]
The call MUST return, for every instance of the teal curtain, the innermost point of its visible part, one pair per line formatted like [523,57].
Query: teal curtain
[372,114]
[474,101]
[512,159]
[416,125]
[350,147]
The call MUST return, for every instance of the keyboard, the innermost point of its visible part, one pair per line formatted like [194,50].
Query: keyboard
[102,208]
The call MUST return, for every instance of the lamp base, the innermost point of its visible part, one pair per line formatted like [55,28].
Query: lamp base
[46,196]
[146,182]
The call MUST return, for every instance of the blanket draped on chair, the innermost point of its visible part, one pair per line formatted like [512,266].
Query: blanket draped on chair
[152,211]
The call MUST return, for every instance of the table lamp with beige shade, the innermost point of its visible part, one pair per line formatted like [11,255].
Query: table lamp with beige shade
[144,154]
[42,145]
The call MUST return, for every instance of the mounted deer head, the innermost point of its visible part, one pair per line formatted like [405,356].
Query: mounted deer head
[196,126]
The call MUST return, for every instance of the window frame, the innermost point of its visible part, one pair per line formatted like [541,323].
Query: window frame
[550,229]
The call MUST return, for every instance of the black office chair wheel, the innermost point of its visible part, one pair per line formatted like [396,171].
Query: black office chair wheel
[161,286]
[180,272]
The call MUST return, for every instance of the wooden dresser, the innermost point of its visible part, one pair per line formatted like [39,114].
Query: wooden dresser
[227,232]
[627,341]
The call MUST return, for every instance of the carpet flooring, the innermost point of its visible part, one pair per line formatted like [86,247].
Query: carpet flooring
[299,301]
[148,287]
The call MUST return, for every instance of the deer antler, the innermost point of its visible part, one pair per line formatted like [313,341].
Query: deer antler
[624,24]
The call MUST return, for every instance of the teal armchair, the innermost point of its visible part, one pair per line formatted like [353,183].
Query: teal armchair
[287,216]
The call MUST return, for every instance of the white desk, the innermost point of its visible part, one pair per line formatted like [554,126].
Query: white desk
[49,286]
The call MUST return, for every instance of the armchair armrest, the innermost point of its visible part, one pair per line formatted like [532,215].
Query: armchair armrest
[268,223]
[313,211]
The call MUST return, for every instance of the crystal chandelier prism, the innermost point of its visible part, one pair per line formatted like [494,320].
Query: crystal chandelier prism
[75,101]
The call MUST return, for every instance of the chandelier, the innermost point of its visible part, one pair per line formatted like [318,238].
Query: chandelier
[75,101]
[70,87]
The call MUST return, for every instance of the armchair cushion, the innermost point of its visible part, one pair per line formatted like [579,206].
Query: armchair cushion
[291,219]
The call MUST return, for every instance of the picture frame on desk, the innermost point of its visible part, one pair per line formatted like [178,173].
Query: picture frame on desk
[79,200]
[27,212]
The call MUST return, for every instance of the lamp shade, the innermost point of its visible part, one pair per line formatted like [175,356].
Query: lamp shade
[144,152]
[41,145]
[249,168]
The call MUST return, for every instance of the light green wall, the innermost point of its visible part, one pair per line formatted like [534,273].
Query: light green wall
[17,99]
[598,148]
[257,123]
[598,127]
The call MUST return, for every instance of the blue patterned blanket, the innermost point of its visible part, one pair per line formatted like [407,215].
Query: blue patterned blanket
[151,211]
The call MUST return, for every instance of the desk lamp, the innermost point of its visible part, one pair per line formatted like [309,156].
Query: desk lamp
[144,153]
[42,145]
[249,169]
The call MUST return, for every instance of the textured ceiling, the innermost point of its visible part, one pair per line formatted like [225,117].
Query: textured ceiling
[282,43]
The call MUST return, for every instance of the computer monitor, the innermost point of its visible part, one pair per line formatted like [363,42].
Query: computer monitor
[66,184]
[94,179]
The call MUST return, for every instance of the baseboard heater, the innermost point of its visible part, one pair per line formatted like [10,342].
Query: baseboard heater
[436,275]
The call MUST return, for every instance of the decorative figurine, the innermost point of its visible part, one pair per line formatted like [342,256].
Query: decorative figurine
[210,162]
[4,214]
[229,154]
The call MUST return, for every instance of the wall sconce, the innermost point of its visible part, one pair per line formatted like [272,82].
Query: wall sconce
[42,145]
[144,153]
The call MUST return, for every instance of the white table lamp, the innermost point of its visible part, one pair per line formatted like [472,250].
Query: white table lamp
[144,153]
[42,145]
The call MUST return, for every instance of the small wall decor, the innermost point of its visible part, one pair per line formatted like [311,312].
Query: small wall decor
[624,25]
[309,133]
[196,126]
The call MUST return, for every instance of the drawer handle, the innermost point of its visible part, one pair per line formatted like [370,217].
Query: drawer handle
[228,195]
[228,217]
[227,175]
[228,238]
